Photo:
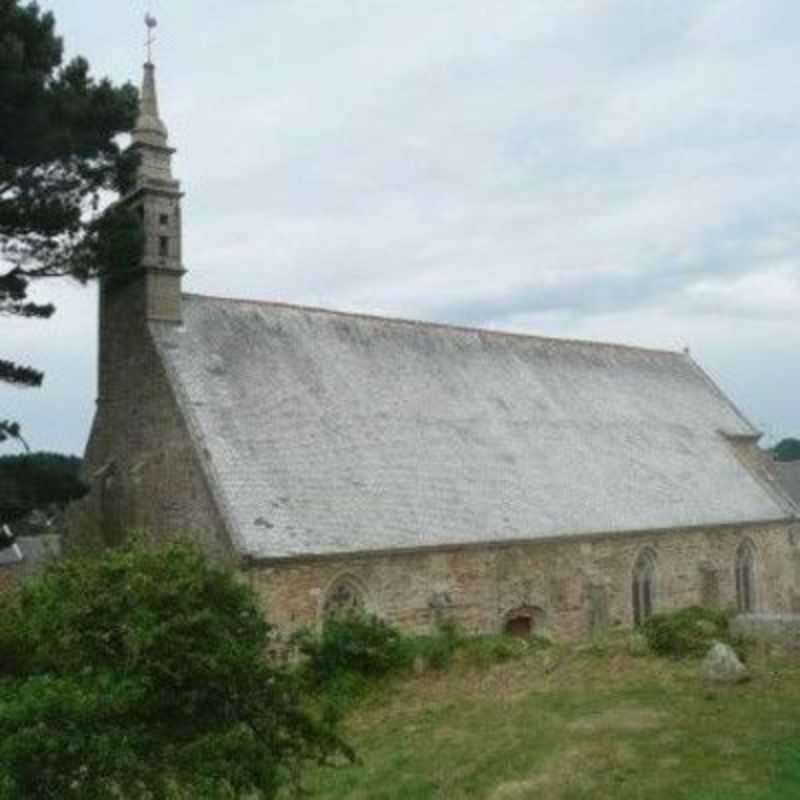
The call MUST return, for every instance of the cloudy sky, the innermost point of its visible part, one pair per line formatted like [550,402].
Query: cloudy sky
[624,170]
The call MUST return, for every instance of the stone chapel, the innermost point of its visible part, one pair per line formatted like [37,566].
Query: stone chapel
[420,471]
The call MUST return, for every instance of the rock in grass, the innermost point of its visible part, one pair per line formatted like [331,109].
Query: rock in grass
[722,665]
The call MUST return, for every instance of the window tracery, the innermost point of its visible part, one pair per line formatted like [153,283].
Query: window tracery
[344,598]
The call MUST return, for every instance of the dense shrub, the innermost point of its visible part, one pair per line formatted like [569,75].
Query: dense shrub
[496,648]
[356,644]
[438,648]
[687,632]
[140,671]
[13,649]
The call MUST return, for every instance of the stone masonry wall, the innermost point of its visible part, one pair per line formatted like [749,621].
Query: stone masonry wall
[478,587]
[144,472]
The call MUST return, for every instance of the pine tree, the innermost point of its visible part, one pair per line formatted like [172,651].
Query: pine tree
[787,450]
[58,158]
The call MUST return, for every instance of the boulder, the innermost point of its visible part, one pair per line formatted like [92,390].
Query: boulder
[722,665]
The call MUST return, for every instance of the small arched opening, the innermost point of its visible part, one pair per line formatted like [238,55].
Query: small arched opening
[524,621]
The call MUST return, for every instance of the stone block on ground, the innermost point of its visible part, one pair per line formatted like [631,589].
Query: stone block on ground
[722,665]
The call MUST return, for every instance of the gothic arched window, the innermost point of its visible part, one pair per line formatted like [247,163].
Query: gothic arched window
[745,577]
[344,598]
[643,586]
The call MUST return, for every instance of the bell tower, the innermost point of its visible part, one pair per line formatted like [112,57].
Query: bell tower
[132,299]
[129,458]
[156,196]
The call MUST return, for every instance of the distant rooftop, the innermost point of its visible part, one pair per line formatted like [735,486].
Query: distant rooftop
[789,475]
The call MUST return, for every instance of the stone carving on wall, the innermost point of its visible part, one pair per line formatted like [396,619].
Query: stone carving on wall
[440,605]
[596,598]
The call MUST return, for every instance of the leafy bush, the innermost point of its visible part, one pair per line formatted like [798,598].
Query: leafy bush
[351,651]
[142,671]
[499,647]
[356,644]
[687,632]
[437,649]
[13,655]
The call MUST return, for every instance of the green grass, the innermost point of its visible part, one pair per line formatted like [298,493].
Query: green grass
[573,722]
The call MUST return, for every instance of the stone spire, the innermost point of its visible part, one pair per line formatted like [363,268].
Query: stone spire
[156,196]
[150,138]
[149,128]
[132,300]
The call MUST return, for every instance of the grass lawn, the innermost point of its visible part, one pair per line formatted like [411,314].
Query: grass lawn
[574,722]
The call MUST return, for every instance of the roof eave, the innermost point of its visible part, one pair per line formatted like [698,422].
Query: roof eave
[251,561]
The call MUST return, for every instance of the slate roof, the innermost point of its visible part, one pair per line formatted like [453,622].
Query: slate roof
[337,433]
[788,473]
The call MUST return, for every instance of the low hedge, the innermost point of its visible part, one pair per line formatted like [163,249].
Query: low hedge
[687,632]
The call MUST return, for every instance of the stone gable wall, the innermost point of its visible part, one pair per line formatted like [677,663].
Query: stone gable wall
[142,466]
[478,587]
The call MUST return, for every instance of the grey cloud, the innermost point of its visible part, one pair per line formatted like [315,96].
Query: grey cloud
[607,167]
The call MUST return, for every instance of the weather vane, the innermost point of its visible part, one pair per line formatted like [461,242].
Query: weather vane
[150,22]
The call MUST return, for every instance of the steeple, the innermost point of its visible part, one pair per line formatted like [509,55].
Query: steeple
[149,127]
[133,300]
[156,196]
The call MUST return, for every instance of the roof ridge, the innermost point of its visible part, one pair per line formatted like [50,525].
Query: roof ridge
[445,325]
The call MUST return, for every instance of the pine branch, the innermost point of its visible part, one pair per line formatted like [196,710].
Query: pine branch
[11,430]
[20,375]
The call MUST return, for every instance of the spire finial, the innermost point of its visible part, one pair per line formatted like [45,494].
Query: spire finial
[150,23]
[149,128]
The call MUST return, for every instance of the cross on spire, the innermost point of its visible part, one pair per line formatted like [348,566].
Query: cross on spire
[150,22]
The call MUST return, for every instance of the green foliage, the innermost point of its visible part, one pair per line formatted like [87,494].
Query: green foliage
[351,652]
[687,632]
[9,429]
[38,480]
[787,450]
[58,155]
[497,648]
[438,649]
[356,644]
[131,674]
